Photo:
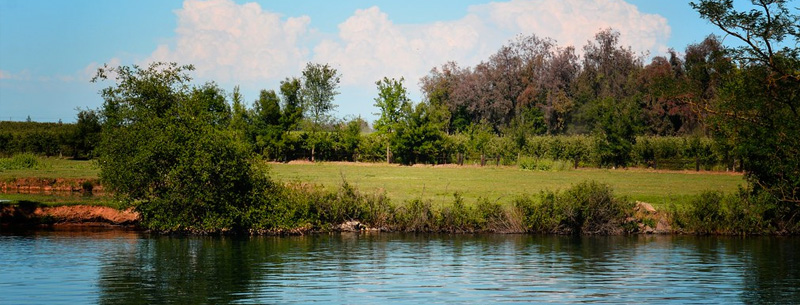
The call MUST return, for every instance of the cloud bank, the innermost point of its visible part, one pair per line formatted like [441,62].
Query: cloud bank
[227,41]
[247,44]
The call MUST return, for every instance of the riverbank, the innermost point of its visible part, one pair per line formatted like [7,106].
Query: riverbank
[28,214]
[32,214]
[330,197]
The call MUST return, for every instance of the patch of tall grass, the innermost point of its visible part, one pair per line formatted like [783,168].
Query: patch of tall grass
[742,213]
[21,161]
[586,208]
[543,164]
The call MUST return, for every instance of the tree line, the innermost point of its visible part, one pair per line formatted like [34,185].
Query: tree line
[74,140]
[529,88]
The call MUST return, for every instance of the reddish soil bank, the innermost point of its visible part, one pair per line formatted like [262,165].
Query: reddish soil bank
[49,185]
[66,215]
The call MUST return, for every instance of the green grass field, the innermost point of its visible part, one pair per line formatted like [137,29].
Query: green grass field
[503,183]
[53,168]
[438,183]
[61,199]
[56,168]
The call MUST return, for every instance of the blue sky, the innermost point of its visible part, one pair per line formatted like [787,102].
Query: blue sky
[50,49]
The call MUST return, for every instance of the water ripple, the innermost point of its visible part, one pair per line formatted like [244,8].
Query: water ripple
[128,268]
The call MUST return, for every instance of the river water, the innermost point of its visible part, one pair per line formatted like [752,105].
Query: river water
[124,267]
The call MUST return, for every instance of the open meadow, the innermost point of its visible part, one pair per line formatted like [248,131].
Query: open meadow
[435,183]
[54,168]
[439,183]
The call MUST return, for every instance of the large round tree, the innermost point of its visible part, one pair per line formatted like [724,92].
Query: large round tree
[167,151]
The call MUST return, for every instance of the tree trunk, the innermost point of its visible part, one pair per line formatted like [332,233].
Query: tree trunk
[312,152]
[731,162]
[498,160]
[483,159]
[741,164]
[388,154]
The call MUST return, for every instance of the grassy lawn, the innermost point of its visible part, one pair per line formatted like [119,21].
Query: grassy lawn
[438,184]
[55,168]
[60,199]
[503,183]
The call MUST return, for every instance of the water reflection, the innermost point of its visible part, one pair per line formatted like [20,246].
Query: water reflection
[394,268]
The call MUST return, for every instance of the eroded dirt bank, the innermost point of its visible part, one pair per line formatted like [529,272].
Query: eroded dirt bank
[30,214]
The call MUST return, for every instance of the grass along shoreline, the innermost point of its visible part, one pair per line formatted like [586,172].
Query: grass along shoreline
[321,197]
[588,208]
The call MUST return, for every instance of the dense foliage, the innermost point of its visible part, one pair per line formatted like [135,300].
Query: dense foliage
[757,107]
[76,140]
[167,150]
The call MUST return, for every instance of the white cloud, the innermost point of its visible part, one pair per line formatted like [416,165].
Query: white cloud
[574,22]
[227,41]
[23,75]
[371,46]
[246,44]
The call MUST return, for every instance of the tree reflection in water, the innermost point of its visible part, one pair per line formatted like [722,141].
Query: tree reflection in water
[352,268]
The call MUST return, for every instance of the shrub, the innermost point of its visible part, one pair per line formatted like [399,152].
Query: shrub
[490,216]
[87,187]
[586,208]
[457,217]
[21,161]
[415,216]
[705,213]
[745,212]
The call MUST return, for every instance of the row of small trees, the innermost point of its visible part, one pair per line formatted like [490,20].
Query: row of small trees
[75,140]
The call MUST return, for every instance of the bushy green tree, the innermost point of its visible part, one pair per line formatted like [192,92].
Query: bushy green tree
[292,103]
[615,131]
[86,134]
[349,138]
[759,102]
[241,123]
[167,151]
[419,136]
[391,100]
[479,136]
[320,85]
[268,128]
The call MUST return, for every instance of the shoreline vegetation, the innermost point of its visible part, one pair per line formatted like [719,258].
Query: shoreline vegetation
[308,207]
[193,158]
[588,208]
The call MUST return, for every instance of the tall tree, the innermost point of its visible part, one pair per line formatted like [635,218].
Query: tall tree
[240,117]
[759,103]
[438,88]
[292,103]
[86,134]
[268,130]
[320,85]
[391,100]
[419,135]
[167,150]
[610,96]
